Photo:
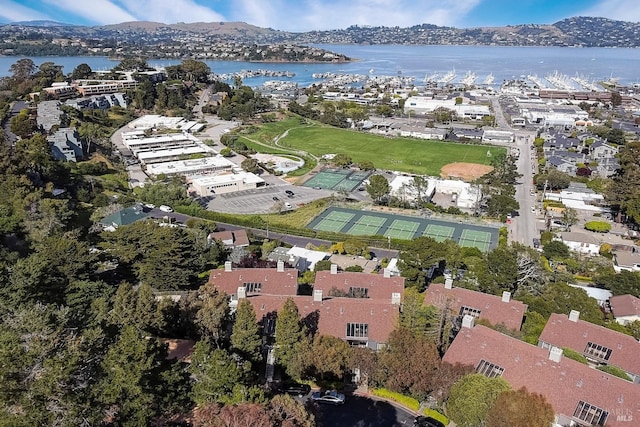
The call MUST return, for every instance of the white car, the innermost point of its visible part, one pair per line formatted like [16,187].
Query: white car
[165,208]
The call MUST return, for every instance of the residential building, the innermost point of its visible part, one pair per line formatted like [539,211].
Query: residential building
[361,322]
[66,145]
[370,286]
[99,87]
[494,309]
[491,136]
[124,216]
[267,281]
[282,254]
[600,345]
[231,238]
[49,114]
[625,308]
[580,395]
[580,242]
[626,261]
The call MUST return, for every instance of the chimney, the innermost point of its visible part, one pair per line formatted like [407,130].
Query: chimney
[334,268]
[317,295]
[574,315]
[386,273]
[227,266]
[468,321]
[448,283]
[242,292]
[555,354]
[506,296]
[280,266]
[395,298]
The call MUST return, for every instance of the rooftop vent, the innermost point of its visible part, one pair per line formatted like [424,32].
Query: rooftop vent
[280,266]
[334,268]
[555,354]
[574,315]
[395,298]
[317,295]
[506,296]
[242,292]
[227,266]
[386,273]
[448,283]
[468,321]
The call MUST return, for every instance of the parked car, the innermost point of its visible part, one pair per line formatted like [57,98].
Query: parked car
[421,421]
[165,208]
[275,198]
[536,243]
[331,397]
[296,389]
[288,205]
[289,193]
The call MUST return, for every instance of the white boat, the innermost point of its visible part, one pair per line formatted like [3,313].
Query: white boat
[430,78]
[448,77]
[469,79]
[489,79]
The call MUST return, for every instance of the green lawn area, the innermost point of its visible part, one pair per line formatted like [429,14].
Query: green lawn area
[401,154]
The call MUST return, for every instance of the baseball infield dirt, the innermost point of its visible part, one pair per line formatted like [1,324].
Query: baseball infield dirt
[466,171]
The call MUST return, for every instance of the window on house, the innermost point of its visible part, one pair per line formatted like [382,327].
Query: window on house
[590,414]
[488,369]
[598,352]
[357,330]
[470,311]
[358,292]
[253,287]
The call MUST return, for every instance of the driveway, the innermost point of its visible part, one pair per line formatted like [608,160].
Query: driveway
[362,411]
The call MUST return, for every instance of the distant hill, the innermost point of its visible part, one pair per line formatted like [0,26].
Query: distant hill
[41,24]
[577,31]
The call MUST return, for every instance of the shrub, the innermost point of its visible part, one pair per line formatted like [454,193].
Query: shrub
[605,250]
[574,355]
[407,401]
[598,226]
[615,371]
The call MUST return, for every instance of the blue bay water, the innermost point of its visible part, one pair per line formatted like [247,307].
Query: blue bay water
[418,61]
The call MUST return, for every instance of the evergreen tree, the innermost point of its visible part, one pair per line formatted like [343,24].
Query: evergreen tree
[289,333]
[245,337]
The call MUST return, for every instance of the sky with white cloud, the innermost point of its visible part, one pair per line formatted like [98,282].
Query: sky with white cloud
[304,15]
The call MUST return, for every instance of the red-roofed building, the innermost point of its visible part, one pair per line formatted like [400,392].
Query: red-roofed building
[600,345]
[231,238]
[269,281]
[579,394]
[364,285]
[492,308]
[359,321]
[625,308]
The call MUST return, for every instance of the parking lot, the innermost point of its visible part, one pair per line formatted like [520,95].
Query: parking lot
[261,200]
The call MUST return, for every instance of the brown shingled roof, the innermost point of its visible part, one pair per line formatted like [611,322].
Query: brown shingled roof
[491,307]
[563,384]
[273,282]
[625,305]
[378,286]
[334,313]
[562,332]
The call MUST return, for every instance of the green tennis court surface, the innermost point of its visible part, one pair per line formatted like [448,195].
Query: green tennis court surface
[439,232]
[475,239]
[365,223]
[334,221]
[337,179]
[401,229]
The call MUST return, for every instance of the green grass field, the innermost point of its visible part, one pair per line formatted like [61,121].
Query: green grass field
[401,154]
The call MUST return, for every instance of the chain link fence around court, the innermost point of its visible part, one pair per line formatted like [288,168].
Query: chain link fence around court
[337,179]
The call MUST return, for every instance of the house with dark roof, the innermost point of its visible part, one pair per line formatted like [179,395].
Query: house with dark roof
[124,216]
[579,394]
[625,308]
[580,242]
[600,345]
[66,145]
[359,321]
[361,285]
[496,310]
[240,282]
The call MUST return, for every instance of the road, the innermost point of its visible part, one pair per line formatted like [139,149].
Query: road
[361,411]
[522,227]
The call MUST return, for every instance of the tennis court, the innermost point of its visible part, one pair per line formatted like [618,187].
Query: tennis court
[475,239]
[439,232]
[337,179]
[401,229]
[334,221]
[367,225]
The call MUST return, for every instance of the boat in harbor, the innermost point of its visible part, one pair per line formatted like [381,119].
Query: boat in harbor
[489,79]
[469,78]
[430,78]
[448,77]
